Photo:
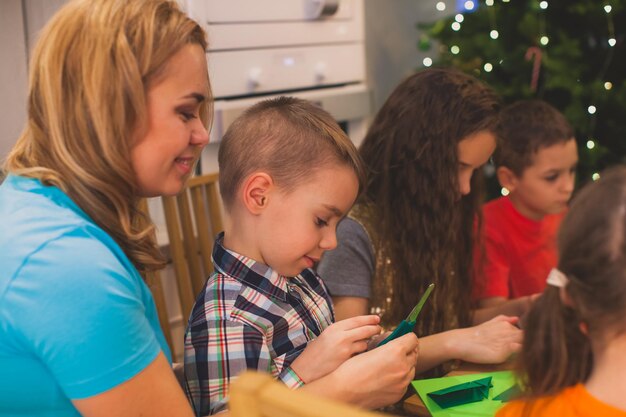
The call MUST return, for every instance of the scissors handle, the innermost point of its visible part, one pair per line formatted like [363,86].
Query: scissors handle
[403,328]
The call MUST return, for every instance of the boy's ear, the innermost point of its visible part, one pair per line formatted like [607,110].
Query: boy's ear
[506,178]
[256,190]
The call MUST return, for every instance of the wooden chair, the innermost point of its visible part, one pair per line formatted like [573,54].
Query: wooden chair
[193,219]
[255,394]
[153,280]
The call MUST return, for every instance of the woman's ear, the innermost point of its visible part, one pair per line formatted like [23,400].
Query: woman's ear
[256,191]
[506,178]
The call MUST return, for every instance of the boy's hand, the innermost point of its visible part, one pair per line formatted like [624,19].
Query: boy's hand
[490,342]
[337,343]
[381,376]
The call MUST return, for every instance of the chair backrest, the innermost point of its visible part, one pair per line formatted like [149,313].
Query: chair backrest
[193,219]
[153,280]
[255,394]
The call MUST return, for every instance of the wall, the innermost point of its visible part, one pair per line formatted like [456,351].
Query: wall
[391,37]
[13,74]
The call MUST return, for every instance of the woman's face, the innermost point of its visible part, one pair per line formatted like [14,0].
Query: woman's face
[473,151]
[164,156]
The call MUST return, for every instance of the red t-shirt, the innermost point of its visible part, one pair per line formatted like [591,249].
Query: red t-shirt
[519,252]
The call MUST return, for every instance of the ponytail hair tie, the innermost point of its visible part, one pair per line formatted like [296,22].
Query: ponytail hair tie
[557,278]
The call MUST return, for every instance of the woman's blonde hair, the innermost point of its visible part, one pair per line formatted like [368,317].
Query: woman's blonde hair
[90,72]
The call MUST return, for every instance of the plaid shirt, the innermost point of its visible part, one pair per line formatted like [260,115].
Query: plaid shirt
[249,317]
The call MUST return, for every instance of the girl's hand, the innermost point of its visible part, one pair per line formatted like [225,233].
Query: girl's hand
[337,343]
[491,342]
[375,340]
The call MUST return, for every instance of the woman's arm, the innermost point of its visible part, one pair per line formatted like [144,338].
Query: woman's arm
[152,392]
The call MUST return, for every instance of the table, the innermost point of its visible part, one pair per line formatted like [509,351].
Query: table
[414,405]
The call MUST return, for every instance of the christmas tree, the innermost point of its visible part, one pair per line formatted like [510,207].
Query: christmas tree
[569,53]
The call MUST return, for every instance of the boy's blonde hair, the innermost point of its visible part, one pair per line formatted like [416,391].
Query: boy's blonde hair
[286,137]
[90,72]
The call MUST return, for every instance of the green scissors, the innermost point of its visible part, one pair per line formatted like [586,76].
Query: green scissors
[407,325]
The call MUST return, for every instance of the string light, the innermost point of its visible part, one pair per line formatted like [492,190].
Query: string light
[543,40]
[469,5]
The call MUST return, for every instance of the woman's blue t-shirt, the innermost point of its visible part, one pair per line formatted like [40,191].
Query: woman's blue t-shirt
[76,319]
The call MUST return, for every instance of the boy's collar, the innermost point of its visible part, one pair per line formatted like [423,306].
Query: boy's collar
[254,274]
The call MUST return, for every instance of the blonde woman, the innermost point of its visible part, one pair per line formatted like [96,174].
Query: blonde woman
[117,111]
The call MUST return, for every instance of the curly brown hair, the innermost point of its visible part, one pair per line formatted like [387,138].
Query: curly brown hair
[425,230]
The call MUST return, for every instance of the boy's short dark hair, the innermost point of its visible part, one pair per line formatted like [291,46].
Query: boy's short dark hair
[525,127]
[286,137]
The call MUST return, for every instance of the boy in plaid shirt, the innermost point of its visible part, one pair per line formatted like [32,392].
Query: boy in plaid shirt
[288,174]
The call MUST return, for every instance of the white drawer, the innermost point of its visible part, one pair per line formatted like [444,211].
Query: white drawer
[286,34]
[236,73]
[238,11]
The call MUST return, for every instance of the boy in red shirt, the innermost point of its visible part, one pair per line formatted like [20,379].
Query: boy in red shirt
[536,162]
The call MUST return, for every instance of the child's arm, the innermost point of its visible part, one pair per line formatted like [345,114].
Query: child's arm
[372,379]
[346,307]
[495,306]
[337,343]
[491,342]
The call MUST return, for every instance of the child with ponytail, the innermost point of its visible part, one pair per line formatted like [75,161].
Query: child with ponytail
[572,361]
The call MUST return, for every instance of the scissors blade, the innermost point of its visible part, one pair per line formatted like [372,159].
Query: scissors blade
[412,317]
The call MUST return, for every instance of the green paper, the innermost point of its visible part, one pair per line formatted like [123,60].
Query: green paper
[464,393]
[508,394]
[501,381]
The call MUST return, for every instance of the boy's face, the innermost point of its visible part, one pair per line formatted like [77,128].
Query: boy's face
[546,186]
[298,227]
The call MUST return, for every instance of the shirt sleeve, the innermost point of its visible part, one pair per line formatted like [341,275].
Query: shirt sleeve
[496,267]
[81,311]
[216,351]
[348,269]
